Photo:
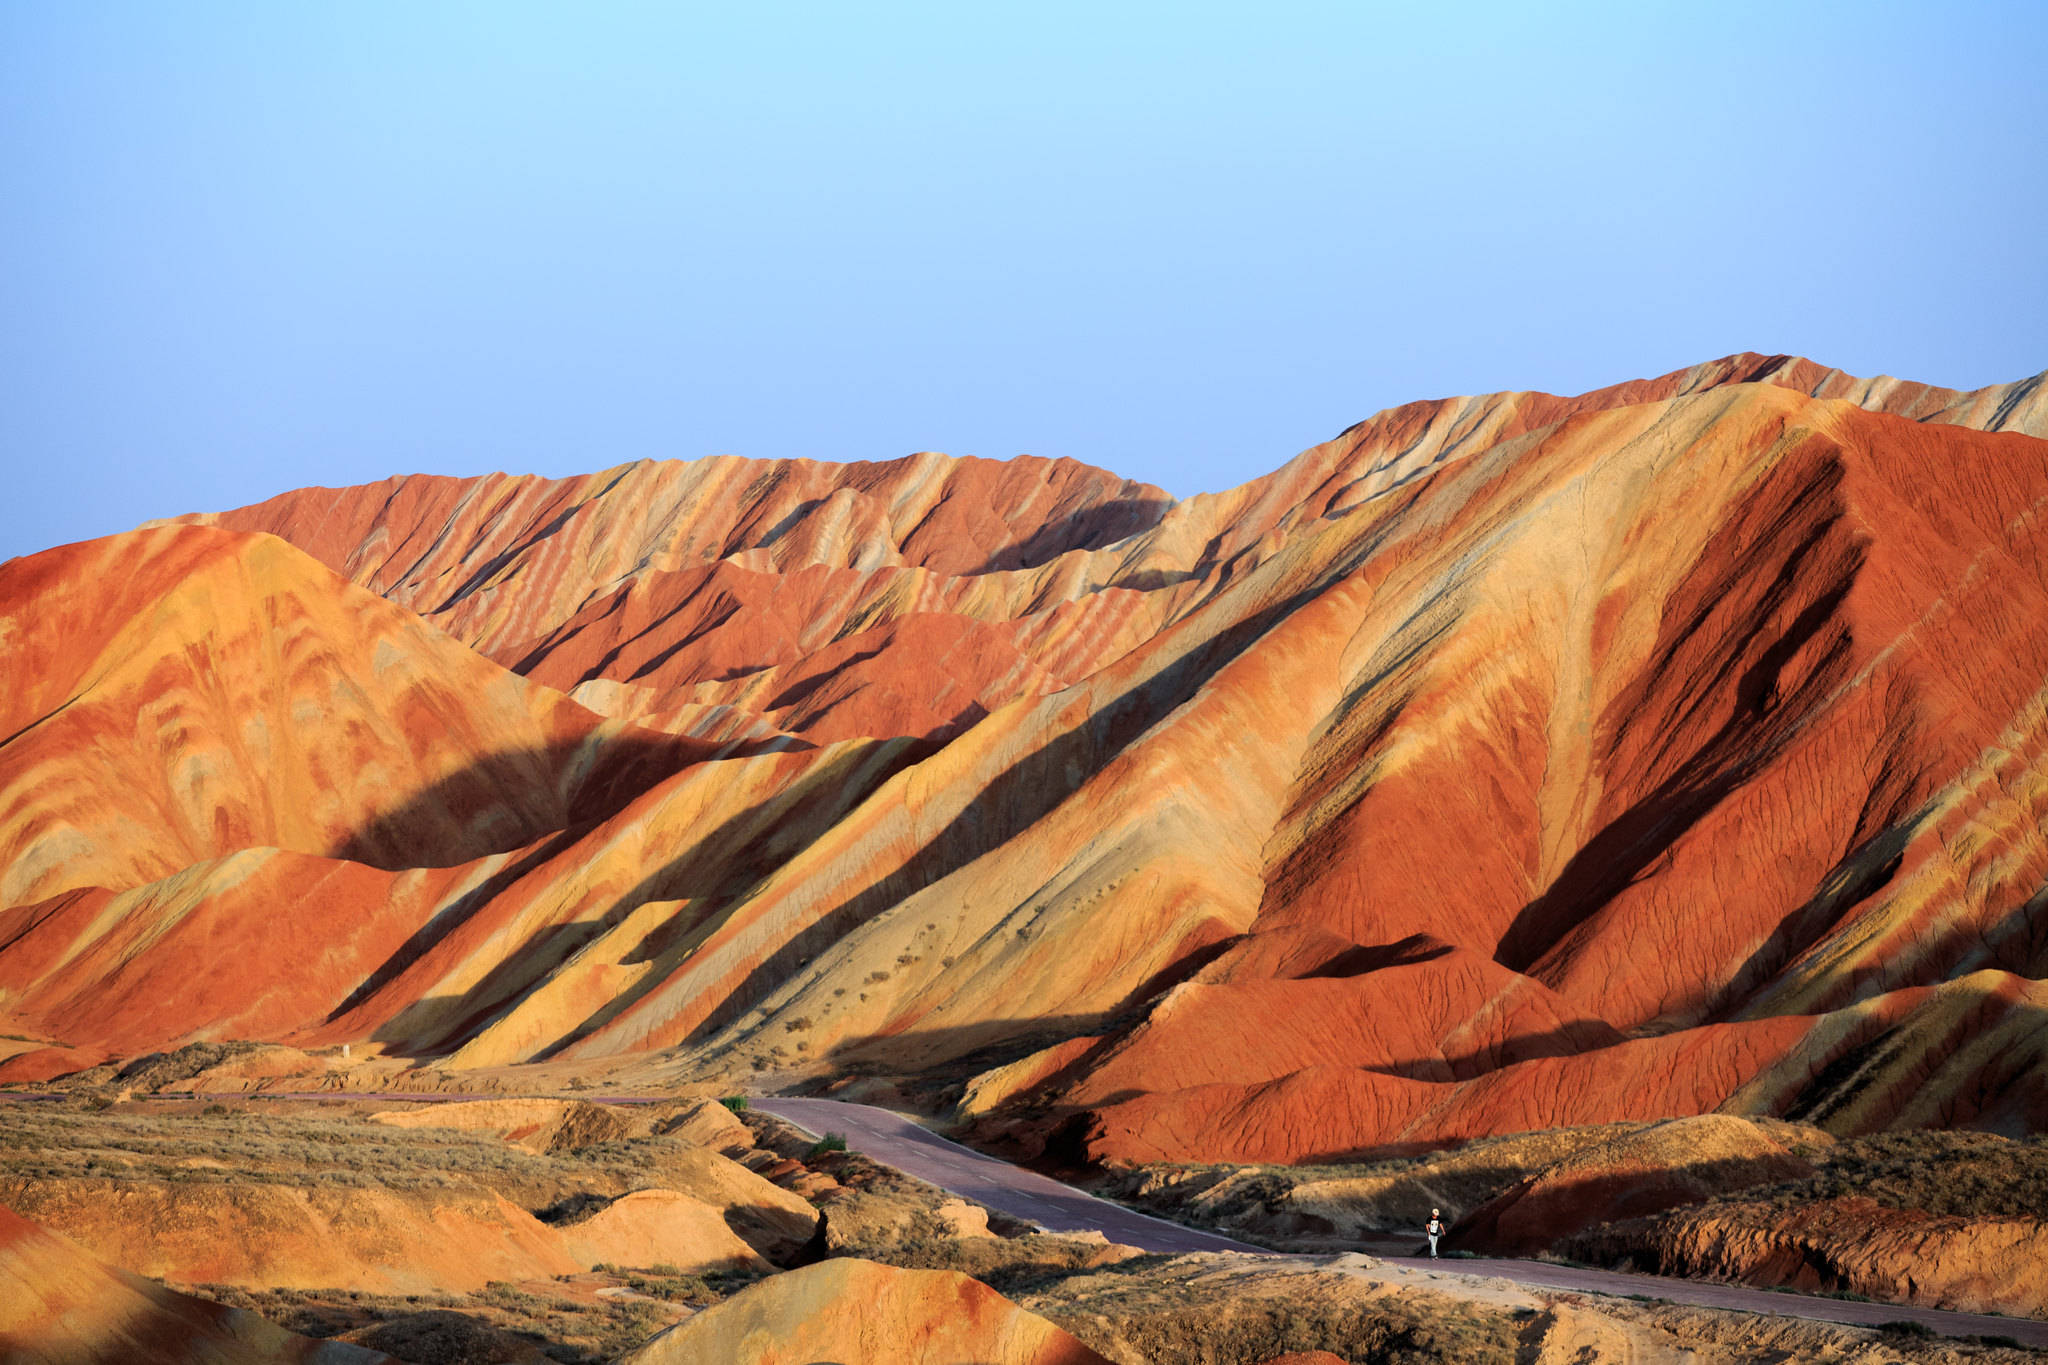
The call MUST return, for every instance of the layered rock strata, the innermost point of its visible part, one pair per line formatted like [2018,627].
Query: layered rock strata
[1506,762]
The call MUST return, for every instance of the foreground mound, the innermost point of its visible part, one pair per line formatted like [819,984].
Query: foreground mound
[277,1236]
[58,1304]
[858,1310]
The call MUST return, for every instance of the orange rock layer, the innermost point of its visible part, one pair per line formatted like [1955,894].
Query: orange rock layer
[59,1306]
[850,1309]
[1506,762]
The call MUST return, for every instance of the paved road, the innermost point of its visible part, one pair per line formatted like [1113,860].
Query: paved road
[1709,1294]
[1024,1194]
[1056,1207]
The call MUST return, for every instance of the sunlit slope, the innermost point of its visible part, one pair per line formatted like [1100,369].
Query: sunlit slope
[1563,760]
[1506,762]
[519,951]
[180,693]
[59,1303]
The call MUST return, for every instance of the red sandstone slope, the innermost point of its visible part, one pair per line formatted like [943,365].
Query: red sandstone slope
[1674,749]
[1509,761]
[532,947]
[182,693]
[953,516]
[1621,705]
[673,586]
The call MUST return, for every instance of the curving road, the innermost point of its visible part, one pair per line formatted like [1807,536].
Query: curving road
[916,1151]
[1039,1199]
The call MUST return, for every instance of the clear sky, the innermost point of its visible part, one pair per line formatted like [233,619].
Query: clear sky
[250,247]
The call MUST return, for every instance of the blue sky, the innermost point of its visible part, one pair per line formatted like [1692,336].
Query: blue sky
[252,247]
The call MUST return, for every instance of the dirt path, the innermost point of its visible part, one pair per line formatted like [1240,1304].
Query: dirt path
[901,1143]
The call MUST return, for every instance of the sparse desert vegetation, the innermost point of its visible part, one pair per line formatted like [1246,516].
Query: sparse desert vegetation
[261,1142]
[165,1184]
[1339,1206]
[568,1166]
[569,1321]
[1960,1174]
[1759,1201]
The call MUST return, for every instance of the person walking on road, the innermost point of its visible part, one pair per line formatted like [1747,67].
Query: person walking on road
[1435,1228]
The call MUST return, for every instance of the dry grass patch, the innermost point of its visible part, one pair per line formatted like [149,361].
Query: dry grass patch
[577,1328]
[1231,1310]
[290,1148]
[1967,1175]
[260,1145]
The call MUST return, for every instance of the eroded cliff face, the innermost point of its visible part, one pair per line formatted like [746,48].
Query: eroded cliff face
[1856,1246]
[1507,762]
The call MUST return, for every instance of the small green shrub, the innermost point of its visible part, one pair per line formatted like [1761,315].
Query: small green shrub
[675,1288]
[736,1103]
[831,1142]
